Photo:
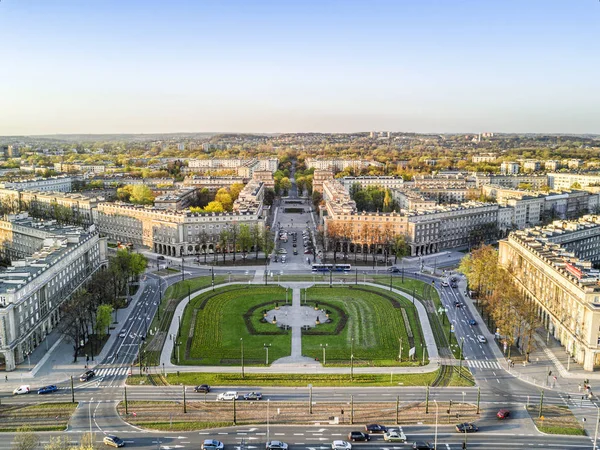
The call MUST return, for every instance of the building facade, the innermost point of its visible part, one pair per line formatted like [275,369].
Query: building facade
[56,184]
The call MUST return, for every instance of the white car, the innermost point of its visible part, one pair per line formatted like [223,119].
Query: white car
[24,389]
[445,284]
[229,395]
[481,339]
[394,436]
[341,445]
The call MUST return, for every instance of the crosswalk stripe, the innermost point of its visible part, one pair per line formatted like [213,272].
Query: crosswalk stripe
[483,364]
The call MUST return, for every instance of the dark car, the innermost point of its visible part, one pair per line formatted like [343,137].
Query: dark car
[160,258]
[253,396]
[393,269]
[47,389]
[454,285]
[113,441]
[375,428]
[422,445]
[503,414]
[202,388]
[472,322]
[358,436]
[87,375]
[466,427]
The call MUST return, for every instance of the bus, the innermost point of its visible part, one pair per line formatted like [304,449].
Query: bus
[331,267]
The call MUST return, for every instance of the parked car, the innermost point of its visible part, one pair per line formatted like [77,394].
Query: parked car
[113,441]
[212,444]
[87,375]
[295,252]
[48,389]
[422,445]
[358,436]
[375,428]
[308,251]
[503,414]
[24,389]
[394,436]
[276,445]
[229,395]
[253,396]
[341,445]
[472,322]
[466,427]
[481,339]
[160,258]
[205,388]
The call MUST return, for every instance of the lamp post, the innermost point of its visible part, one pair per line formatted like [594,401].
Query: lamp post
[352,360]
[286,295]
[400,350]
[268,420]
[462,343]
[242,348]
[436,424]
[229,273]
[266,347]
[324,347]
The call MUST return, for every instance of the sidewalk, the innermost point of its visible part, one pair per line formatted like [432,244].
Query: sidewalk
[52,362]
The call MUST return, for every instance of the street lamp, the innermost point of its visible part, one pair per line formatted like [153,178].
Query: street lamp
[242,348]
[324,347]
[229,276]
[436,424]
[266,347]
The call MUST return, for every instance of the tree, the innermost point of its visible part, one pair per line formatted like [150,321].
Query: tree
[268,243]
[576,185]
[255,235]
[285,185]
[138,264]
[269,197]
[224,242]
[59,443]
[400,248]
[317,198]
[224,198]
[234,190]
[387,201]
[214,207]
[300,183]
[245,239]
[103,319]
[73,325]
[234,231]
[25,439]
[141,195]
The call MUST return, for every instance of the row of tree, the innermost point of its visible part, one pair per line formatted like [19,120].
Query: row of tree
[86,315]
[515,316]
[372,198]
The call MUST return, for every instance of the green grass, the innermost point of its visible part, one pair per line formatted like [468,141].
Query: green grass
[58,406]
[299,380]
[462,378]
[219,325]
[373,322]
[571,431]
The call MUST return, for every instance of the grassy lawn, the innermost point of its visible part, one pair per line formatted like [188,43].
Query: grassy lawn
[300,380]
[374,321]
[556,420]
[219,325]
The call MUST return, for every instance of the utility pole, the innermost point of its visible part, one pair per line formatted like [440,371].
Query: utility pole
[184,405]
[242,344]
[427,400]
[478,398]
[462,343]
[72,391]
[126,410]
[397,408]
[541,403]
[400,350]
[234,412]
[310,398]
[351,409]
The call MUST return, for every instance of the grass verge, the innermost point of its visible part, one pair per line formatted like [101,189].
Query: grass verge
[40,417]
[556,420]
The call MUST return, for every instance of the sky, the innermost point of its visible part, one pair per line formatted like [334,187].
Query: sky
[129,66]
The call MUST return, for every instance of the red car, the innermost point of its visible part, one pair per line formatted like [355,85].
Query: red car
[503,414]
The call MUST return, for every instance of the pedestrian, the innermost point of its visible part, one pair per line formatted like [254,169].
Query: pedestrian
[6,378]
[579,387]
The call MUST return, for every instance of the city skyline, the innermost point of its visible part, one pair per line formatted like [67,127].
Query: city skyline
[430,66]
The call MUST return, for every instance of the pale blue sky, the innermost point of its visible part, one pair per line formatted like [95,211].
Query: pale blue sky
[120,66]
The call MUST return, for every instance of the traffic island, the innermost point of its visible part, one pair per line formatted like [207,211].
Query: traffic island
[40,417]
[556,420]
[170,415]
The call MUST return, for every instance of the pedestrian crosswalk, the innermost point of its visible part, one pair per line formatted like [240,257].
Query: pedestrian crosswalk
[482,364]
[108,372]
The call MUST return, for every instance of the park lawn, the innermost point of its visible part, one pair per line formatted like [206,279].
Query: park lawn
[423,290]
[373,322]
[219,326]
[288,379]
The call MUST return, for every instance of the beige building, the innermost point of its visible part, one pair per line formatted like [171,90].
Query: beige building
[213,184]
[509,168]
[553,268]
[180,199]
[488,157]
[53,184]
[385,182]
[338,165]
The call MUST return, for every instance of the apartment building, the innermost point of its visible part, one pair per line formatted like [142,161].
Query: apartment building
[488,157]
[412,199]
[265,177]
[385,182]
[509,168]
[243,167]
[443,181]
[552,266]
[213,184]
[338,165]
[531,165]
[552,165]
[567,180]
[56,184]
[319,177]
[33,288]
[176,200]
[536,181]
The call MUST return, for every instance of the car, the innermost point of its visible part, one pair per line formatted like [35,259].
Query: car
[393,269]
[282,251]
[295,252]
[205,388]
[445,284]
[472,322]
[48,389]
[113,441]
[358,436]
[466,427]
[87,375]
[341,445]
[308,251]
[394,436]
[422,445]
[229,395]
[481,339]
[24,389]
[375,428]
[454,279]
[253,396]
[503,414]
[276,445]
[294,245]
[212,444]
[458,304]
[160,258]
[454,285]
[123,334]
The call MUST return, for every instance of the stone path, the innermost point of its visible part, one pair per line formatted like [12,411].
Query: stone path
[295,316]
